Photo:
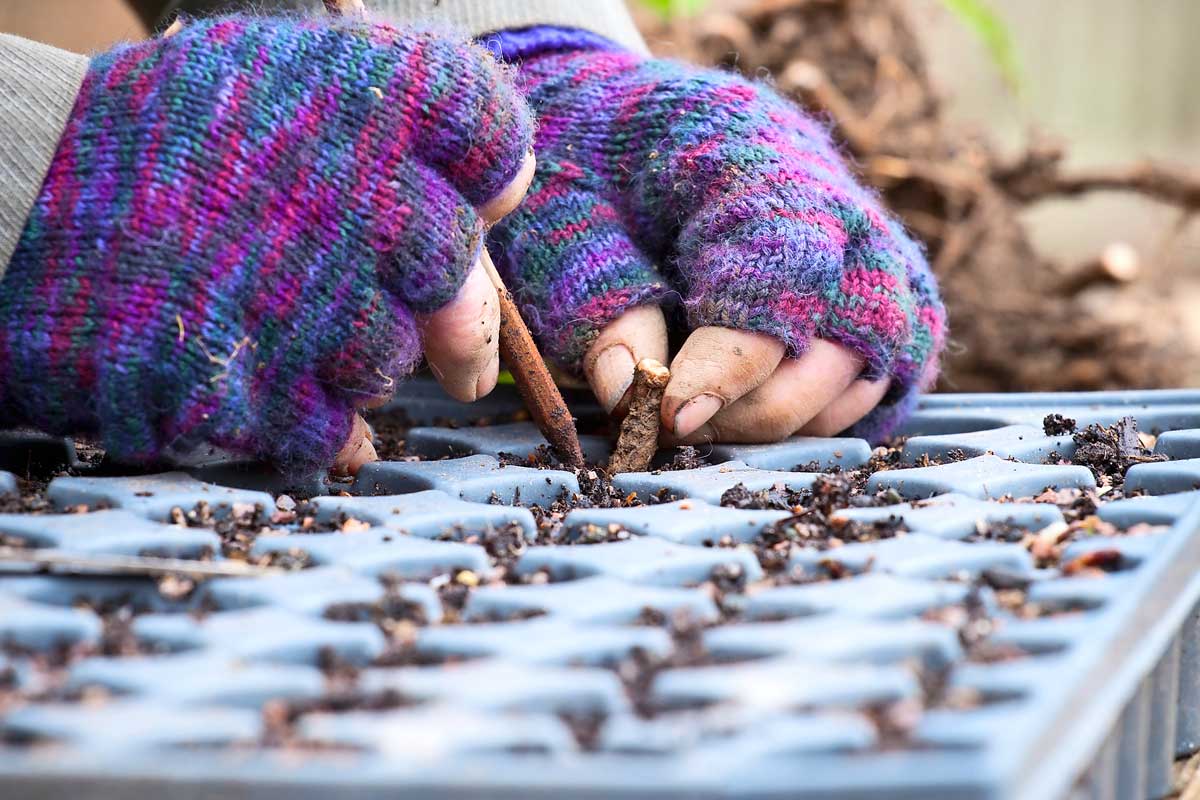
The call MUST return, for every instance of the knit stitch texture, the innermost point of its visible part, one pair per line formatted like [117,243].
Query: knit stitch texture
[238,227]
[738,197]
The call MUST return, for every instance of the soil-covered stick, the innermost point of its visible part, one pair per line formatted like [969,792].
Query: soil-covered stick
[533,380]
[638,440]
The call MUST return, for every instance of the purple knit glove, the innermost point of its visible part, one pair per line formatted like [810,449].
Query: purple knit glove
[238,227]
[736,194]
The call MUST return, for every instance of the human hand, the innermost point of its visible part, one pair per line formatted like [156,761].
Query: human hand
[252,228]
[809,308]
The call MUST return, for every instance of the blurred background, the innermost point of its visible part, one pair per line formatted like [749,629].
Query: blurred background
[1048,154]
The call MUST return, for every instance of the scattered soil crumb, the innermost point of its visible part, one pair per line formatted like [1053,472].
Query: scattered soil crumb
[1057,425]
[686,457]
[1109,450]
[31,498]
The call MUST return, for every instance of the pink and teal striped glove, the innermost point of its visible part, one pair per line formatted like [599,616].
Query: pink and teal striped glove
[659,181]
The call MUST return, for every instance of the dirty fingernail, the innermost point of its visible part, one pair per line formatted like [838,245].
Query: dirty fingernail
[487,378]
[358,450]
[612,375]
[354,456]
[366,454]
[696,412]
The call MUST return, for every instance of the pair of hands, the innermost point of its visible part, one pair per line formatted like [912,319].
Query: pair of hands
[253,229]
[726,384]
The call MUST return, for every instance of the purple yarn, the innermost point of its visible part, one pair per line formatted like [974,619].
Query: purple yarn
[658,179]
[238,227]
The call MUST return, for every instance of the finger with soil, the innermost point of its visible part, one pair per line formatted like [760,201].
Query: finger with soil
[714,368]
[611,360]
[357,451]
[798,390]
[853,404]
[461,339]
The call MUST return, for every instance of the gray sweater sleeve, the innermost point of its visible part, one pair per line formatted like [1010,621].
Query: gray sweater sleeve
[39,83]
[38,86]
[608,18]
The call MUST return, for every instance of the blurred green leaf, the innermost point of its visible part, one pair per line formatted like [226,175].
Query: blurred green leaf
[505,379]
[993,33]
[673,9]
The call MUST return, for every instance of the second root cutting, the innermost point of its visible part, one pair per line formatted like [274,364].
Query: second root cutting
[638,440]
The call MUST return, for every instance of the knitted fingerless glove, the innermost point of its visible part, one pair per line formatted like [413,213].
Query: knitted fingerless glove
[238,227]
[740,198]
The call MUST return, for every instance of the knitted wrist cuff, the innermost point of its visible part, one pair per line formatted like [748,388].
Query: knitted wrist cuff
[238,227]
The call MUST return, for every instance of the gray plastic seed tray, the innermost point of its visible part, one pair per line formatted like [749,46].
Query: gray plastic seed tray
[668,660]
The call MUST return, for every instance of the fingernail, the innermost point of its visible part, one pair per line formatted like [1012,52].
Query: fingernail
[487,378]
[696,412]
[366,454]
[350,461]
[362,428]
[613,374]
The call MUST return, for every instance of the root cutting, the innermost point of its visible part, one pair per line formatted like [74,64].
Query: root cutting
[638,440]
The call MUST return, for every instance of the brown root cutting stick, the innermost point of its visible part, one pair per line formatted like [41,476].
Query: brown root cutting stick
[537,388]
[533,380]
[638,440]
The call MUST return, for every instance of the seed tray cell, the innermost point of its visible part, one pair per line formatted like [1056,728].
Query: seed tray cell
[1020,442]
[268,635]
[198,680]
[538,641]
[685,521]
[1164,477]
[1153,510]
[151,496]
[708,483]
[1156,412]
[112,532]
[424,514]
[796,453]
[983,477]
[26,626]
[1179,444]
[474,478]
[914,555]
[644,560]
[379,551]
[926,623]
[515,439]
[873,595]
[599,600]
[956,516]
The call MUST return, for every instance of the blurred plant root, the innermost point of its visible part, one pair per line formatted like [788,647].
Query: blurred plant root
[1019,321]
